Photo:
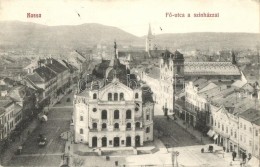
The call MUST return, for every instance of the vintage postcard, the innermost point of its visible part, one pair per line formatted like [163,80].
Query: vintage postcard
[130,83]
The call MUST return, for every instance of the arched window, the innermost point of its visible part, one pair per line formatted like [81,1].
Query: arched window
[136,95]
[94,96]
[147,130]
[116,126]
[109,96]
[81,131]
[94,125]
[128,125]
[122,96]
[148,117]
[104,114]
[128,114]
[104,126]
[137,125]
[81,118]
[116,114]
[115,96]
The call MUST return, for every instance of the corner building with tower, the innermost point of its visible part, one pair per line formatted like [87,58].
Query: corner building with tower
[115,109]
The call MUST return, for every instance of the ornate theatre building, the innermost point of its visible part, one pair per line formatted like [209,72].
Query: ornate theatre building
[115,109]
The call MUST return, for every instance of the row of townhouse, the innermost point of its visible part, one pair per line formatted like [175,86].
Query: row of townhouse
[17,106]
[174,72]
[227,112]
[50,77]
[10,116]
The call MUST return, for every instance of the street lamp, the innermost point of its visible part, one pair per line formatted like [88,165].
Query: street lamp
[175,154]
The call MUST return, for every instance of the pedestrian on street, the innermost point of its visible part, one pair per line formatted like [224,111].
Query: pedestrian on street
[244,156]
[234,155]
[69,148]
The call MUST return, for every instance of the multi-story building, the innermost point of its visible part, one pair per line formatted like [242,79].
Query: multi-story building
[24,97]
[8,116]
[50,76]
[117,111]
[249,129]
[45,79]
[175,72]
[224,128]
[171,77]
[197,102]
[61,71]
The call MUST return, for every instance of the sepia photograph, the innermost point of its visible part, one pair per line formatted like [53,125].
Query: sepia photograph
[129,83]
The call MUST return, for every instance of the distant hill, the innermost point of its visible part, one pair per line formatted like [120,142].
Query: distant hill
[208,40]
[35,35]
[30,35]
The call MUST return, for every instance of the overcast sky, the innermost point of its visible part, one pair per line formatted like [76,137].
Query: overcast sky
[135,15]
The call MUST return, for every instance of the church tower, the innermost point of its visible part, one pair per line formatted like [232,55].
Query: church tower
[149,40]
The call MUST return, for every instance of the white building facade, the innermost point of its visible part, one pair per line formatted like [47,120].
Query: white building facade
[118,112]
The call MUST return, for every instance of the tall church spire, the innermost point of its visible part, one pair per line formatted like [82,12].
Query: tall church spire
[149,31]
[149,40]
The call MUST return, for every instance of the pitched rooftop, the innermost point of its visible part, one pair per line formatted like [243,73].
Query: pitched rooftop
[210,68]
[251,115]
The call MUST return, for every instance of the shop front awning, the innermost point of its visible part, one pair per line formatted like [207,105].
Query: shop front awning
[215,136]
[210,133]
